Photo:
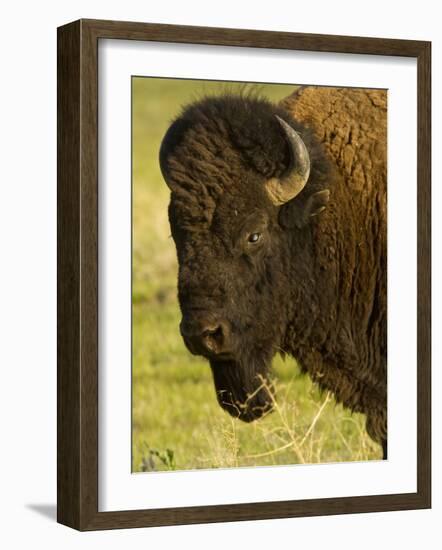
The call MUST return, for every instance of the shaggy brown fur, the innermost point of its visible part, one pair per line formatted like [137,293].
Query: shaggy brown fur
[345,350]
[314,286]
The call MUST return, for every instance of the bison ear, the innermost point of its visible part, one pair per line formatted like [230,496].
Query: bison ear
[299,215]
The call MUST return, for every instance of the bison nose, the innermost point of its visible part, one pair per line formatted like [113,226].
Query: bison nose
[204,336]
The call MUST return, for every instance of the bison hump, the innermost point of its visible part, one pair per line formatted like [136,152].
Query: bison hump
[351,124]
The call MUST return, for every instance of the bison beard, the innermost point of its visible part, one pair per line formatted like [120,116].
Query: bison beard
[243,388]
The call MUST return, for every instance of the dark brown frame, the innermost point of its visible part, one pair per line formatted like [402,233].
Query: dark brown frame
[77,459]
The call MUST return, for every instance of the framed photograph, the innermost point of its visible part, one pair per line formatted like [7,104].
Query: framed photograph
[243,274]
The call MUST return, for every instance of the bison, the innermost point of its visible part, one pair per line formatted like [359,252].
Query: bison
[278,214]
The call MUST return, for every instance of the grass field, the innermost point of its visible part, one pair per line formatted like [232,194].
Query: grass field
[177,423]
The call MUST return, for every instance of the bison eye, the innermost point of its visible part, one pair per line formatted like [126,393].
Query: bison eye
[254,237]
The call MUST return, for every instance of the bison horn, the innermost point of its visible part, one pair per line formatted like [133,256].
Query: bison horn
[283,189]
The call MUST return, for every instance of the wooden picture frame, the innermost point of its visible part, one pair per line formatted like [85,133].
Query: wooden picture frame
[77,459]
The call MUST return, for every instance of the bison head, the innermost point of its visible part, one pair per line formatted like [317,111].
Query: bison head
[233,164]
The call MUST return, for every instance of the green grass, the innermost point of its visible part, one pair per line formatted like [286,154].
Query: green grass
[177,423]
